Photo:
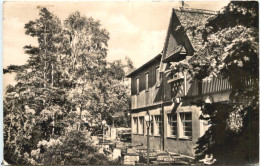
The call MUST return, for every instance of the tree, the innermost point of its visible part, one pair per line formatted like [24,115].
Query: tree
[19,127]
[230,50]
[66,72]
[84,57]
[115,94]
[92,79]
[42,68]
[35,90]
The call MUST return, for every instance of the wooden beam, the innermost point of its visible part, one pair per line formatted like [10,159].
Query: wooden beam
[174,79]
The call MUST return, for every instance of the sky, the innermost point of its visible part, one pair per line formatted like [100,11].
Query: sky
[137,29]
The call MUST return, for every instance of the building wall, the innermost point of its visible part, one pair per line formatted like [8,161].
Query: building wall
[150,97]
[183,145]
[180,146]
[164,142]
[155,141]
[216,90]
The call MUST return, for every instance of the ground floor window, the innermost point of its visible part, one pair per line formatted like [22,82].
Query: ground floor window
[151,128]
[186,124]
[158,125]
[178,125]
[141,128]
[172,125]
[135,125]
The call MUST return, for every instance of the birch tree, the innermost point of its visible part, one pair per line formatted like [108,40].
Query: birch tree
[85,47]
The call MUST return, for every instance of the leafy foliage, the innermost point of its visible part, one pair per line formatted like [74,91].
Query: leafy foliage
[232,136]
[12,68]
[75,148]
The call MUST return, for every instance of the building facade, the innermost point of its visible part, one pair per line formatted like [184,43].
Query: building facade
[169,98]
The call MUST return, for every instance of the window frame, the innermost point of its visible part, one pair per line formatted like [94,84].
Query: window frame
[141,125]
[158,125]
[146,81]
[151,128]
[137,85]
[157,76]
[182,134]
[169,126]
[135,125]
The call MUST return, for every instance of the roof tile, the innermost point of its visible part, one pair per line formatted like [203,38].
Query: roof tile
[191,20]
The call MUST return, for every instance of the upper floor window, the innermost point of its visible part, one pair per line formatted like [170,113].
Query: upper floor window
[157,75]
[137,85]
[146,81]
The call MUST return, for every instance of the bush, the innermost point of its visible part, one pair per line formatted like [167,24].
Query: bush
[72,149]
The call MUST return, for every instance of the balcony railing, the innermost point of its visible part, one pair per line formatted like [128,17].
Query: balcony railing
[181,87]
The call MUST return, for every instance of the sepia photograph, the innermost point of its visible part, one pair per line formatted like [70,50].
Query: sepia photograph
[130,83]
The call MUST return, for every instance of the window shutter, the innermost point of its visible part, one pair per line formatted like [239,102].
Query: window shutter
[151,77]
[133,86]
[142,82]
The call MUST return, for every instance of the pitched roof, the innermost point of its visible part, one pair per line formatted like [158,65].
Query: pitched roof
[155,59]
[191,20]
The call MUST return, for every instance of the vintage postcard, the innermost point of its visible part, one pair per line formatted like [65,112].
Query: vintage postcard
[131,83]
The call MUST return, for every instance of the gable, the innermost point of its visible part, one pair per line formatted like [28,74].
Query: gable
[175,39]
[181,34]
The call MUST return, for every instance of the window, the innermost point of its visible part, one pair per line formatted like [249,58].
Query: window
[146,81]
[151,128]
[137,85]
[157,74]
[186,125]
[135,125]
[141,128]
[172,125]
[158,125]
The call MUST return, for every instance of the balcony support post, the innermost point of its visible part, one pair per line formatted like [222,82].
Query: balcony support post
[185,84]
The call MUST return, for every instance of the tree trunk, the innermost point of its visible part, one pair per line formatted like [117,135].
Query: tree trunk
[80,117]
[11,121]
[53,124]
[45,56]
[52,73]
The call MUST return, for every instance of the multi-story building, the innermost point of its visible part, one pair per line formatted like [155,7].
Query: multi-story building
[169,99]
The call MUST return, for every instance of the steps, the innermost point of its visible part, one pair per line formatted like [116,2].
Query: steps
[136,154]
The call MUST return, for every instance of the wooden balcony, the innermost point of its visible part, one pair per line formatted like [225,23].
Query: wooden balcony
[181,87]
